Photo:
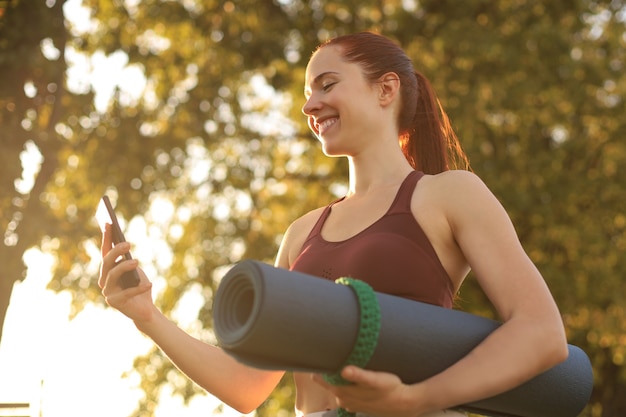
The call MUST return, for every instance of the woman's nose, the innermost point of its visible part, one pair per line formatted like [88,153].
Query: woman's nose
[310,106]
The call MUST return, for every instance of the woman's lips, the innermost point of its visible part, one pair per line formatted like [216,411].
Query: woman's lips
[326,124]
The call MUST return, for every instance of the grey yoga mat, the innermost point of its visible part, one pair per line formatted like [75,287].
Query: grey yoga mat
[272,318]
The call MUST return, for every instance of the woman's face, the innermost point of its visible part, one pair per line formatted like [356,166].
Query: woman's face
[340,104]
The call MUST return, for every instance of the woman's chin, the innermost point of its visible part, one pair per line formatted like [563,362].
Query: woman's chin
[333,151]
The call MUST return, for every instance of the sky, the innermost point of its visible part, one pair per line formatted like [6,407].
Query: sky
[63,368]
[76,368]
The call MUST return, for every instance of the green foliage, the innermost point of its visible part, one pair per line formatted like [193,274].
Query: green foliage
[534,89]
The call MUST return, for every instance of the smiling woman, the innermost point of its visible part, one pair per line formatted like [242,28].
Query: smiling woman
[366,102]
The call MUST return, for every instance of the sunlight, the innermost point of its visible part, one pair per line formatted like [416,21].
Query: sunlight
[63,368]
[31,163]
[102,73]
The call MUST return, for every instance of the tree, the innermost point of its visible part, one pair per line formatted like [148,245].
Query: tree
[535,92]
[31,91]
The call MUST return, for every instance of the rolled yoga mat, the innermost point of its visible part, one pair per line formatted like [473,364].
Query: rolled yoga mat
[272,318]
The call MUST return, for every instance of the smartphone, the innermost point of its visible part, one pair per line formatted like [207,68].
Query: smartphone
[106,215]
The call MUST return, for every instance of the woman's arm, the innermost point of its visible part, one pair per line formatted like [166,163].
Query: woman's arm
[237,385]
[532,337]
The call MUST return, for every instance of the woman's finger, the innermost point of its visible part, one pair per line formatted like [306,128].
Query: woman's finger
[116,271]
[110,261]
[118,299]
[107,240]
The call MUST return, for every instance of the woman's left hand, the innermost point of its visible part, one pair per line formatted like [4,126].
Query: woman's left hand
[374,393]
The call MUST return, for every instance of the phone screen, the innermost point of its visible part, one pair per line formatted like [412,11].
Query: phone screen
[106,215]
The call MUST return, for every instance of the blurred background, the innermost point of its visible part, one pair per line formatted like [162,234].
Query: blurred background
[187,113]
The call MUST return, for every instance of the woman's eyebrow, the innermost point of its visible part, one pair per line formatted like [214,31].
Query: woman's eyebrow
[319,78]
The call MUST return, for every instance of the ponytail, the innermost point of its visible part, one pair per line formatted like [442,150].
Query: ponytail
[430,144]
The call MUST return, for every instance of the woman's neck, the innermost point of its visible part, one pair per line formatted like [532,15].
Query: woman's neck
[382,169]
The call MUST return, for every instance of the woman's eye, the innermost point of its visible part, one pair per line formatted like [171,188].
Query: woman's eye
[327,87]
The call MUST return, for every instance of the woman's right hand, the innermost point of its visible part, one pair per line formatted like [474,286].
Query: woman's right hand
[134,302]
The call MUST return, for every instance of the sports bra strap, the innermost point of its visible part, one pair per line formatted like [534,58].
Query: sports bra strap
[402,202]
[317,229]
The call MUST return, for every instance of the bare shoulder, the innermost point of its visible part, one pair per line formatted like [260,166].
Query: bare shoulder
[461,198]
[294,237]
[456,189]
[304,224]
[457,181]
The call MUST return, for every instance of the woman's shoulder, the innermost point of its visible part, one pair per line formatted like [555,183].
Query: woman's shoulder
[296,235]
[453,177]
[305,223]
[463,198]
[456,194]
[452,184]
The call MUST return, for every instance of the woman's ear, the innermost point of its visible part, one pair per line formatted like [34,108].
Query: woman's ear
[389,87]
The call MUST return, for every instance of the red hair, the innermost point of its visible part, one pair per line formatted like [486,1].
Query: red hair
[426,136]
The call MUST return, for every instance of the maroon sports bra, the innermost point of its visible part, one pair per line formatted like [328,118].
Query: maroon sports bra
[393,255]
